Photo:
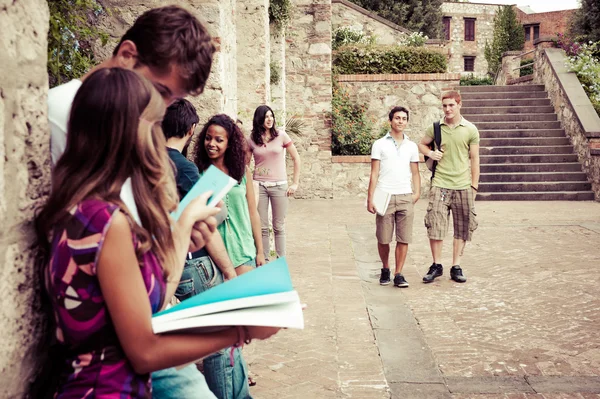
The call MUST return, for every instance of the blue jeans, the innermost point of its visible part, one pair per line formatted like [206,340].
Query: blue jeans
[223,379]
[186,383]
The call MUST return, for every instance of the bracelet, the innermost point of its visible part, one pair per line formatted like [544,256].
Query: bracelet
[474,188]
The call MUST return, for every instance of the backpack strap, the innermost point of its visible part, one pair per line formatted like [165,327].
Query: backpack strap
[437,142]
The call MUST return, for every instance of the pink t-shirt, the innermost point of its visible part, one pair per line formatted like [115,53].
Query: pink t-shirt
[269,158]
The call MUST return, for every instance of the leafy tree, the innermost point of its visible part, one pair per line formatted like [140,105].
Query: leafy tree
[416,15]
[585,23]
[72,31]
[508,36]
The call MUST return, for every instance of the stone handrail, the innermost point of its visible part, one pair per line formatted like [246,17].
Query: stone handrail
[573,107]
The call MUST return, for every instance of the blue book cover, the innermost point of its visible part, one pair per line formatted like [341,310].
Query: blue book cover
[213,180]
[272,278]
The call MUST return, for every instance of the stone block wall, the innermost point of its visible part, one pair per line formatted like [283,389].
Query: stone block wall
[278,103]
[419,93]
[24,180]
[574,110]
[457,47]
[308,92]
[349,14]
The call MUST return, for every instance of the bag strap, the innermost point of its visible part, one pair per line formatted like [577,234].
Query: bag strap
[437,139]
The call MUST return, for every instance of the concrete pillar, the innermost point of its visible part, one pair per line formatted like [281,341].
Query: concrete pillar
[308,92]
[253,58]
[24,180]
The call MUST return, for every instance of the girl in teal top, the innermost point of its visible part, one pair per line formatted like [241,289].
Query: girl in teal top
[222,143]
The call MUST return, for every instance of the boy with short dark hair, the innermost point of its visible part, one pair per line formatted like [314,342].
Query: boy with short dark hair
[394,166]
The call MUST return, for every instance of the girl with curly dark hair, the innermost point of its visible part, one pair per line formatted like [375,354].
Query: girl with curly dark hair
[222,143]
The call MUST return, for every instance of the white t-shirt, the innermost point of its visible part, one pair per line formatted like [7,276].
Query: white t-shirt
[394,172]
[60,99]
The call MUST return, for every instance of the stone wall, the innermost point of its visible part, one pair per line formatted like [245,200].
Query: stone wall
[24,179]
[457,47]
[278,88]
[419,93]
[308,92]
[574,110]
[349,14]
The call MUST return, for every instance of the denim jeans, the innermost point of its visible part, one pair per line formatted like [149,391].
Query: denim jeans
[186,383]
[223,379]
[277,195]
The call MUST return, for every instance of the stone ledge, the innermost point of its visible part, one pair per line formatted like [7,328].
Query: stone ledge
[399,77]
[351,159]
[521,79]
[362,158]
[571,87]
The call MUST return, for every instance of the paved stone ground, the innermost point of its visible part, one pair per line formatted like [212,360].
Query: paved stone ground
[525,325]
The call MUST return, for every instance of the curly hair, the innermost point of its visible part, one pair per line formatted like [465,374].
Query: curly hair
[258,124]
[236,152]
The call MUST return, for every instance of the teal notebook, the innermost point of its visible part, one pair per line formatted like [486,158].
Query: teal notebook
[264,296]
[213,180]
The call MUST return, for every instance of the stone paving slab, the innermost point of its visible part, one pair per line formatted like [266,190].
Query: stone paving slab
[527,323]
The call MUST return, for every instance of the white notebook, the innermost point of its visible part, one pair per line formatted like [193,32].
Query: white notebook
[381,200]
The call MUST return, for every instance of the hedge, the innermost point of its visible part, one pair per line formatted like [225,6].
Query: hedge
[387,59]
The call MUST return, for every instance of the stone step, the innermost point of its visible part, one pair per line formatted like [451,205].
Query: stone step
[544,109]
[511,187]
[523,141]
[476,89]
[478,118]
[528,158]
[530,167]
[538,196]
[514,133]
[518,125]
[493,95]
[532,177]
[534,102]
[531,150]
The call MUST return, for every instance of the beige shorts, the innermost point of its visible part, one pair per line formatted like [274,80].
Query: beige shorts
[399,215]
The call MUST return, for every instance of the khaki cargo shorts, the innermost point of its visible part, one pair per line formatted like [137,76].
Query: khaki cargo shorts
[400,214]
[462,205]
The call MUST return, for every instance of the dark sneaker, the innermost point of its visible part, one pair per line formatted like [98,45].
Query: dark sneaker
[456,274]
[385,277]
[400,281]
[435,270]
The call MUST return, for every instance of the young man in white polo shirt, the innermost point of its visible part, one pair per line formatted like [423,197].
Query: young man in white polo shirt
[395,170]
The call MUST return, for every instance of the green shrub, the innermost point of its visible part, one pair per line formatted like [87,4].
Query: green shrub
[415,39]
[345,35]
[387,59]
[472,80]
[527,70]
[275,76]
[280,13]
[70,36]
[351,130]
[587,67]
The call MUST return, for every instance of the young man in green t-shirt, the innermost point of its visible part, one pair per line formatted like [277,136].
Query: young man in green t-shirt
[454,186]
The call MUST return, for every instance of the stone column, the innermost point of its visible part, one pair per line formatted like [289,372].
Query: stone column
[24,180]
[253,58]
[509,68]
[308,92]
[278,88]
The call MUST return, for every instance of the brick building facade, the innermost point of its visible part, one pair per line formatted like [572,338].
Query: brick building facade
[542,24]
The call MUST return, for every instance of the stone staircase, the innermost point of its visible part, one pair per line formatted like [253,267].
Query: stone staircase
[524,154]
